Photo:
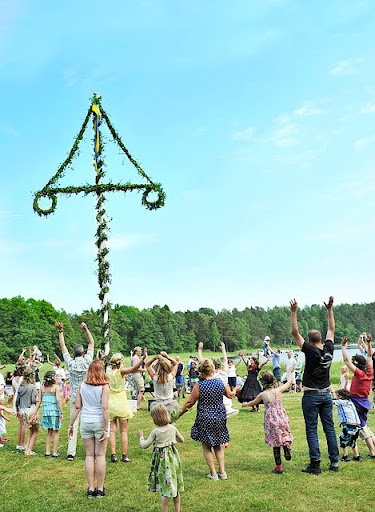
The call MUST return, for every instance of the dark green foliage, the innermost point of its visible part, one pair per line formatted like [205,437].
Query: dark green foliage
[31,322]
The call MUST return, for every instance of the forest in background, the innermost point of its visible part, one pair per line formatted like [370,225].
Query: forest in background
[31,322]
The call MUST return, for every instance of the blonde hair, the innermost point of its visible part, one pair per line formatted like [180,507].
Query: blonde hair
[115,360]
[28,376]
[345,368]
[160,415]
[206,368]
[162,370]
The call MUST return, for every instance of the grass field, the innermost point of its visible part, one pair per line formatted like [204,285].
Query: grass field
[56,485]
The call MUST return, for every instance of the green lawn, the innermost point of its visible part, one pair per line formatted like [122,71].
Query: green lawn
[48,485]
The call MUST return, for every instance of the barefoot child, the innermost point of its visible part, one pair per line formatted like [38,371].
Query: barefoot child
[27,402]
[52,412]
[165,474]
[276,421]
[3,419]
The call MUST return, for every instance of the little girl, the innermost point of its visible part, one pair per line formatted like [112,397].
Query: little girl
[165,474]
[3,419]
[26,404]
[344,378]
[52,412]
[66,390]
[276,421]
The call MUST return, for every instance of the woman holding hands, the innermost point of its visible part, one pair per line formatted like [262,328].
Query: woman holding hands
[210,427]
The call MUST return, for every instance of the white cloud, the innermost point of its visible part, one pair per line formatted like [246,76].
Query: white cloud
[244,135]
[347,67]
[362,143]
[308,109]
[286,136]
[368,109]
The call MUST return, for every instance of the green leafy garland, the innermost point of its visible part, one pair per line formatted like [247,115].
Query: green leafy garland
[50,191]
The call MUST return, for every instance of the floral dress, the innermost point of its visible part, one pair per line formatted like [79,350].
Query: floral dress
[276,424]
[166,473]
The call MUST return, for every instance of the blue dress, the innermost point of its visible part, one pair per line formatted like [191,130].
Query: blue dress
[51,412]
[210,425]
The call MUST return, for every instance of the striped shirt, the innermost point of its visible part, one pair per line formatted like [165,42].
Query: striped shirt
[346,412]
[77,368]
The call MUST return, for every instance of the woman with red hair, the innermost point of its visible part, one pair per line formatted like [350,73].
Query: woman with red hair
[92,403]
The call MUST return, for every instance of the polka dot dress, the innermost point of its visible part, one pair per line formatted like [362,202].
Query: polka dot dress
[210,425]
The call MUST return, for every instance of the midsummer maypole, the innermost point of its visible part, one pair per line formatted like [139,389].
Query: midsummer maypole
[50,191]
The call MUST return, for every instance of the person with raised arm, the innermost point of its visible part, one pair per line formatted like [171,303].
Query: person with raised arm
[162,375]
[139,383]
[276,421]
[317,398]
[360,389]
[77,367]
[362,344]
[119,409]
[251,388]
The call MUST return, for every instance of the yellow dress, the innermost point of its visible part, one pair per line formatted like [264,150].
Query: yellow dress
[118,401]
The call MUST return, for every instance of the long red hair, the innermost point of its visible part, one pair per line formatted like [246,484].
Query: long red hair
[96,375]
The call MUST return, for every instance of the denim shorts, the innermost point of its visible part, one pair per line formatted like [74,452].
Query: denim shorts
[90,430]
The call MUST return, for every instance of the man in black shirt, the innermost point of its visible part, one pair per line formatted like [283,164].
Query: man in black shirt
[317,399]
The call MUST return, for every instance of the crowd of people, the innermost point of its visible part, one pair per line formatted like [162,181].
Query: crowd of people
[96,389]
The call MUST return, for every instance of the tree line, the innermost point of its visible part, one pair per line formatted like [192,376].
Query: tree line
[31,322]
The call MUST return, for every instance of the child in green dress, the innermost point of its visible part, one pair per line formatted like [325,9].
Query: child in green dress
[165,474]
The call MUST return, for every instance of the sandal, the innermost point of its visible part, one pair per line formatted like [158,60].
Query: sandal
[57,455]
[114,458]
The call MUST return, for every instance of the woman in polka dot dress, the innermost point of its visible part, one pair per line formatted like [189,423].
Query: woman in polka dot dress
[210,427]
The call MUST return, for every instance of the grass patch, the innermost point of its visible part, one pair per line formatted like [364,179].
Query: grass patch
[56,485]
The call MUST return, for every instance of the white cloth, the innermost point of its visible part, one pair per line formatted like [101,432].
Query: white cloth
[2,386]
[231,370]
[16,382]
[163,391]
[91,397]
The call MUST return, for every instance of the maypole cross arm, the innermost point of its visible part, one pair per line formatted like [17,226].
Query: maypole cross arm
[50,191]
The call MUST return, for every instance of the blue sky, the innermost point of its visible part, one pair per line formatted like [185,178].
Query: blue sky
[258,118]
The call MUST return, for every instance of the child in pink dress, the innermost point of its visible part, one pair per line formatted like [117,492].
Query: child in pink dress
[276,421]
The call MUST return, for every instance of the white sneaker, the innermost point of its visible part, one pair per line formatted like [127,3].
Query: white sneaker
[212,477]
[1,446]
[223,475]
[20,448]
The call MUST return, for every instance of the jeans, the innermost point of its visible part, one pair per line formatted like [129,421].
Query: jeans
[277,373]
[314,404]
